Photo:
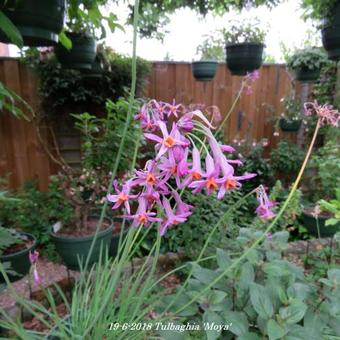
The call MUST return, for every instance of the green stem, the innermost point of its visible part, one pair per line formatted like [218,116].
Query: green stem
[271,225]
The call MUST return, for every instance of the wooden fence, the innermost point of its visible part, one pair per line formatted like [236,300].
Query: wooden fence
[252,115]
[22,156]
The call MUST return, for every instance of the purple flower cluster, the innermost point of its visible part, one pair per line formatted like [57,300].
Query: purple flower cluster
[265,205]
[177,165]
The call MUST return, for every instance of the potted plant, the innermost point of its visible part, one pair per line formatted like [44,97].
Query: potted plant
[38,21]
[15,247]
[73,237]
[307,63]
[328,13]
[210,51]
[290,120]
[244,47]
[323,185]
[78,48]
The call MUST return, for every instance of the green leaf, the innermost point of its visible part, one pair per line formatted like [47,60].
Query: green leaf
[223,259]
[10,30]
[65,40]
[238,320]
[275,331]
[249,336]
[216,296]
[293,313]
[212,319]
[247,276]
[261,301]
[173,334]
[204,275]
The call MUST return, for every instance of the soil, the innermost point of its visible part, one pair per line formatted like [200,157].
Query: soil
[310,211]
[15,248]
[87,230]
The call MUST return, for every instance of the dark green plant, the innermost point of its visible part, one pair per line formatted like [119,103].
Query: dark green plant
[326,163]
[35,212]
[333,206]
[324,88]
[101,137]
[318,9]
[64,91]
[191,237]
[8,238]
[264,296]
[310,58]
[286,158]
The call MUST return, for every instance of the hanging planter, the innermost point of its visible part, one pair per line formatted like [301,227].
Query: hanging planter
[305,75]
[19,260]
[306,64]
[95,72]
[244,57]
[289,125]
[82,53]
[38,21]
[73,249]
[204,70]
[331,33]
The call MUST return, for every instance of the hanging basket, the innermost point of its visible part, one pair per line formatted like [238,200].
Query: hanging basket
[38,21]
[244,58]
[306,75]
[82,54]
[331,34]
[204,70]
[289,125]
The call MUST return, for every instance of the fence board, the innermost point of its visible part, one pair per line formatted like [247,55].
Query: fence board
[22,157]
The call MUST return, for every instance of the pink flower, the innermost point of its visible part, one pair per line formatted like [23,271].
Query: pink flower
[33,257]
[326,113]
[168,141]
[142,216]
[265,205]
[173,109]
[210,177]
[122,196]
[171,217]
[230,183]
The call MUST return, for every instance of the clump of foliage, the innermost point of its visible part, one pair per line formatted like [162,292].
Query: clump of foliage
[155,15]
[211,48]
[101,137]
[292,108]
[286,158]
[311,58]
[34,212]
[65,90]
[254,161]
[262,296]
[318,9]
[326,163]
[324,88]
[244,32]
[333,206]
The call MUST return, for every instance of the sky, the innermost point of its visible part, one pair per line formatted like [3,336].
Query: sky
[186,31]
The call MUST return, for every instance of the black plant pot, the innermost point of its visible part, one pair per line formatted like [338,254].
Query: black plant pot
[312,224]
[75,249]
[243,58]
[306,75]
[331,34]
[82,54]
[38,21]
[204,70]
[19,261]
[289,125]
